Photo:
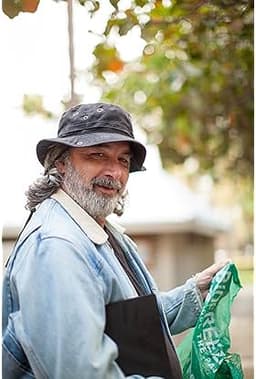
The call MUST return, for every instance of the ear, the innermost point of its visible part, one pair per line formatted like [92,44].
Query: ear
[60,167]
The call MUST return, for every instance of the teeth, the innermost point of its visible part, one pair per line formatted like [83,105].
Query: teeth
[108,187]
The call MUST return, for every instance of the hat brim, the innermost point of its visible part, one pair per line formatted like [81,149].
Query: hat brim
[92,139]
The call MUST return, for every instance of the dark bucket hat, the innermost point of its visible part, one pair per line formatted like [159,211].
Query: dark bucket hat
[87,125]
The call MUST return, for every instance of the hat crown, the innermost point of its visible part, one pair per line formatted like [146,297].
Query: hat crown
[90,118]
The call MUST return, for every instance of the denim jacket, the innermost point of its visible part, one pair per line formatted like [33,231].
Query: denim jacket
[59,278]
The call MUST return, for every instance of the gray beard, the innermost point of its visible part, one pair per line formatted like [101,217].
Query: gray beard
[97,205]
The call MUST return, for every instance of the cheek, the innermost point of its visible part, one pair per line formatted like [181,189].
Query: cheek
[82,174]
[124,180]
[85,177]
[89,172]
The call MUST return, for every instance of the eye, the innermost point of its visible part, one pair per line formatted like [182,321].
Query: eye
[97,155]
[125,162]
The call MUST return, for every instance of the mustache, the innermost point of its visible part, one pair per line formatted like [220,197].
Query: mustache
[107,182]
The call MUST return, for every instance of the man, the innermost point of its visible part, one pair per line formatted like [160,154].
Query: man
[70,265]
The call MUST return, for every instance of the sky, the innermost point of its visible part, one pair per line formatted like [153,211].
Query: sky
[35,51]
[36,54]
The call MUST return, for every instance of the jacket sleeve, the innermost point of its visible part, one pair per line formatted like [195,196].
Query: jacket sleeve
[61,319]
[182,306]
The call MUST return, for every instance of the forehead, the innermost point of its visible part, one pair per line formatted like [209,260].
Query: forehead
[119,147]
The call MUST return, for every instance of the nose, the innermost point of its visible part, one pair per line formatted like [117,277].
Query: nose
[114,169]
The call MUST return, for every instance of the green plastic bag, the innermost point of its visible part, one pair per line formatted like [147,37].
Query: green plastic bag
[204,351]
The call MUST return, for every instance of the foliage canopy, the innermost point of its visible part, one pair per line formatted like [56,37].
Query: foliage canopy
[193,87]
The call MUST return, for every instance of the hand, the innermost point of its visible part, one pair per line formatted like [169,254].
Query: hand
[203,279]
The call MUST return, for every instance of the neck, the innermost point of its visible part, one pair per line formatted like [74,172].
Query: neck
[101,221]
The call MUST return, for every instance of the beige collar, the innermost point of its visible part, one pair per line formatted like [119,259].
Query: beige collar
[93,230]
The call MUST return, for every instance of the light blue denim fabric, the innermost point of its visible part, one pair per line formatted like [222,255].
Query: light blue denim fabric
[55,289]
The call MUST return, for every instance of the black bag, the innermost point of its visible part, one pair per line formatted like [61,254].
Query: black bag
[144,348]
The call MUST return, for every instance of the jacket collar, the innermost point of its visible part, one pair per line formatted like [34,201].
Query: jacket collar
[93,230]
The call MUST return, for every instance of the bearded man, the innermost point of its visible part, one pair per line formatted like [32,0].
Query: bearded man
[78,301]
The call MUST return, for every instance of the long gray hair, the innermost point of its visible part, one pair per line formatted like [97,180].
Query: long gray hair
[43,187]
[50,181]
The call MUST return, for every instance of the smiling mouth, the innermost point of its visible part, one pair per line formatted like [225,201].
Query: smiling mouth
[106,190]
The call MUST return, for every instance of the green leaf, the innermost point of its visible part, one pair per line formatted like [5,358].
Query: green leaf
[114,3]
[11,8]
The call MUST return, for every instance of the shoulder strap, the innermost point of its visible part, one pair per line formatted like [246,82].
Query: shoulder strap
[24,226]
[124,263]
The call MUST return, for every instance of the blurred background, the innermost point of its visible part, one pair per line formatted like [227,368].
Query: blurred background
[184,70]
